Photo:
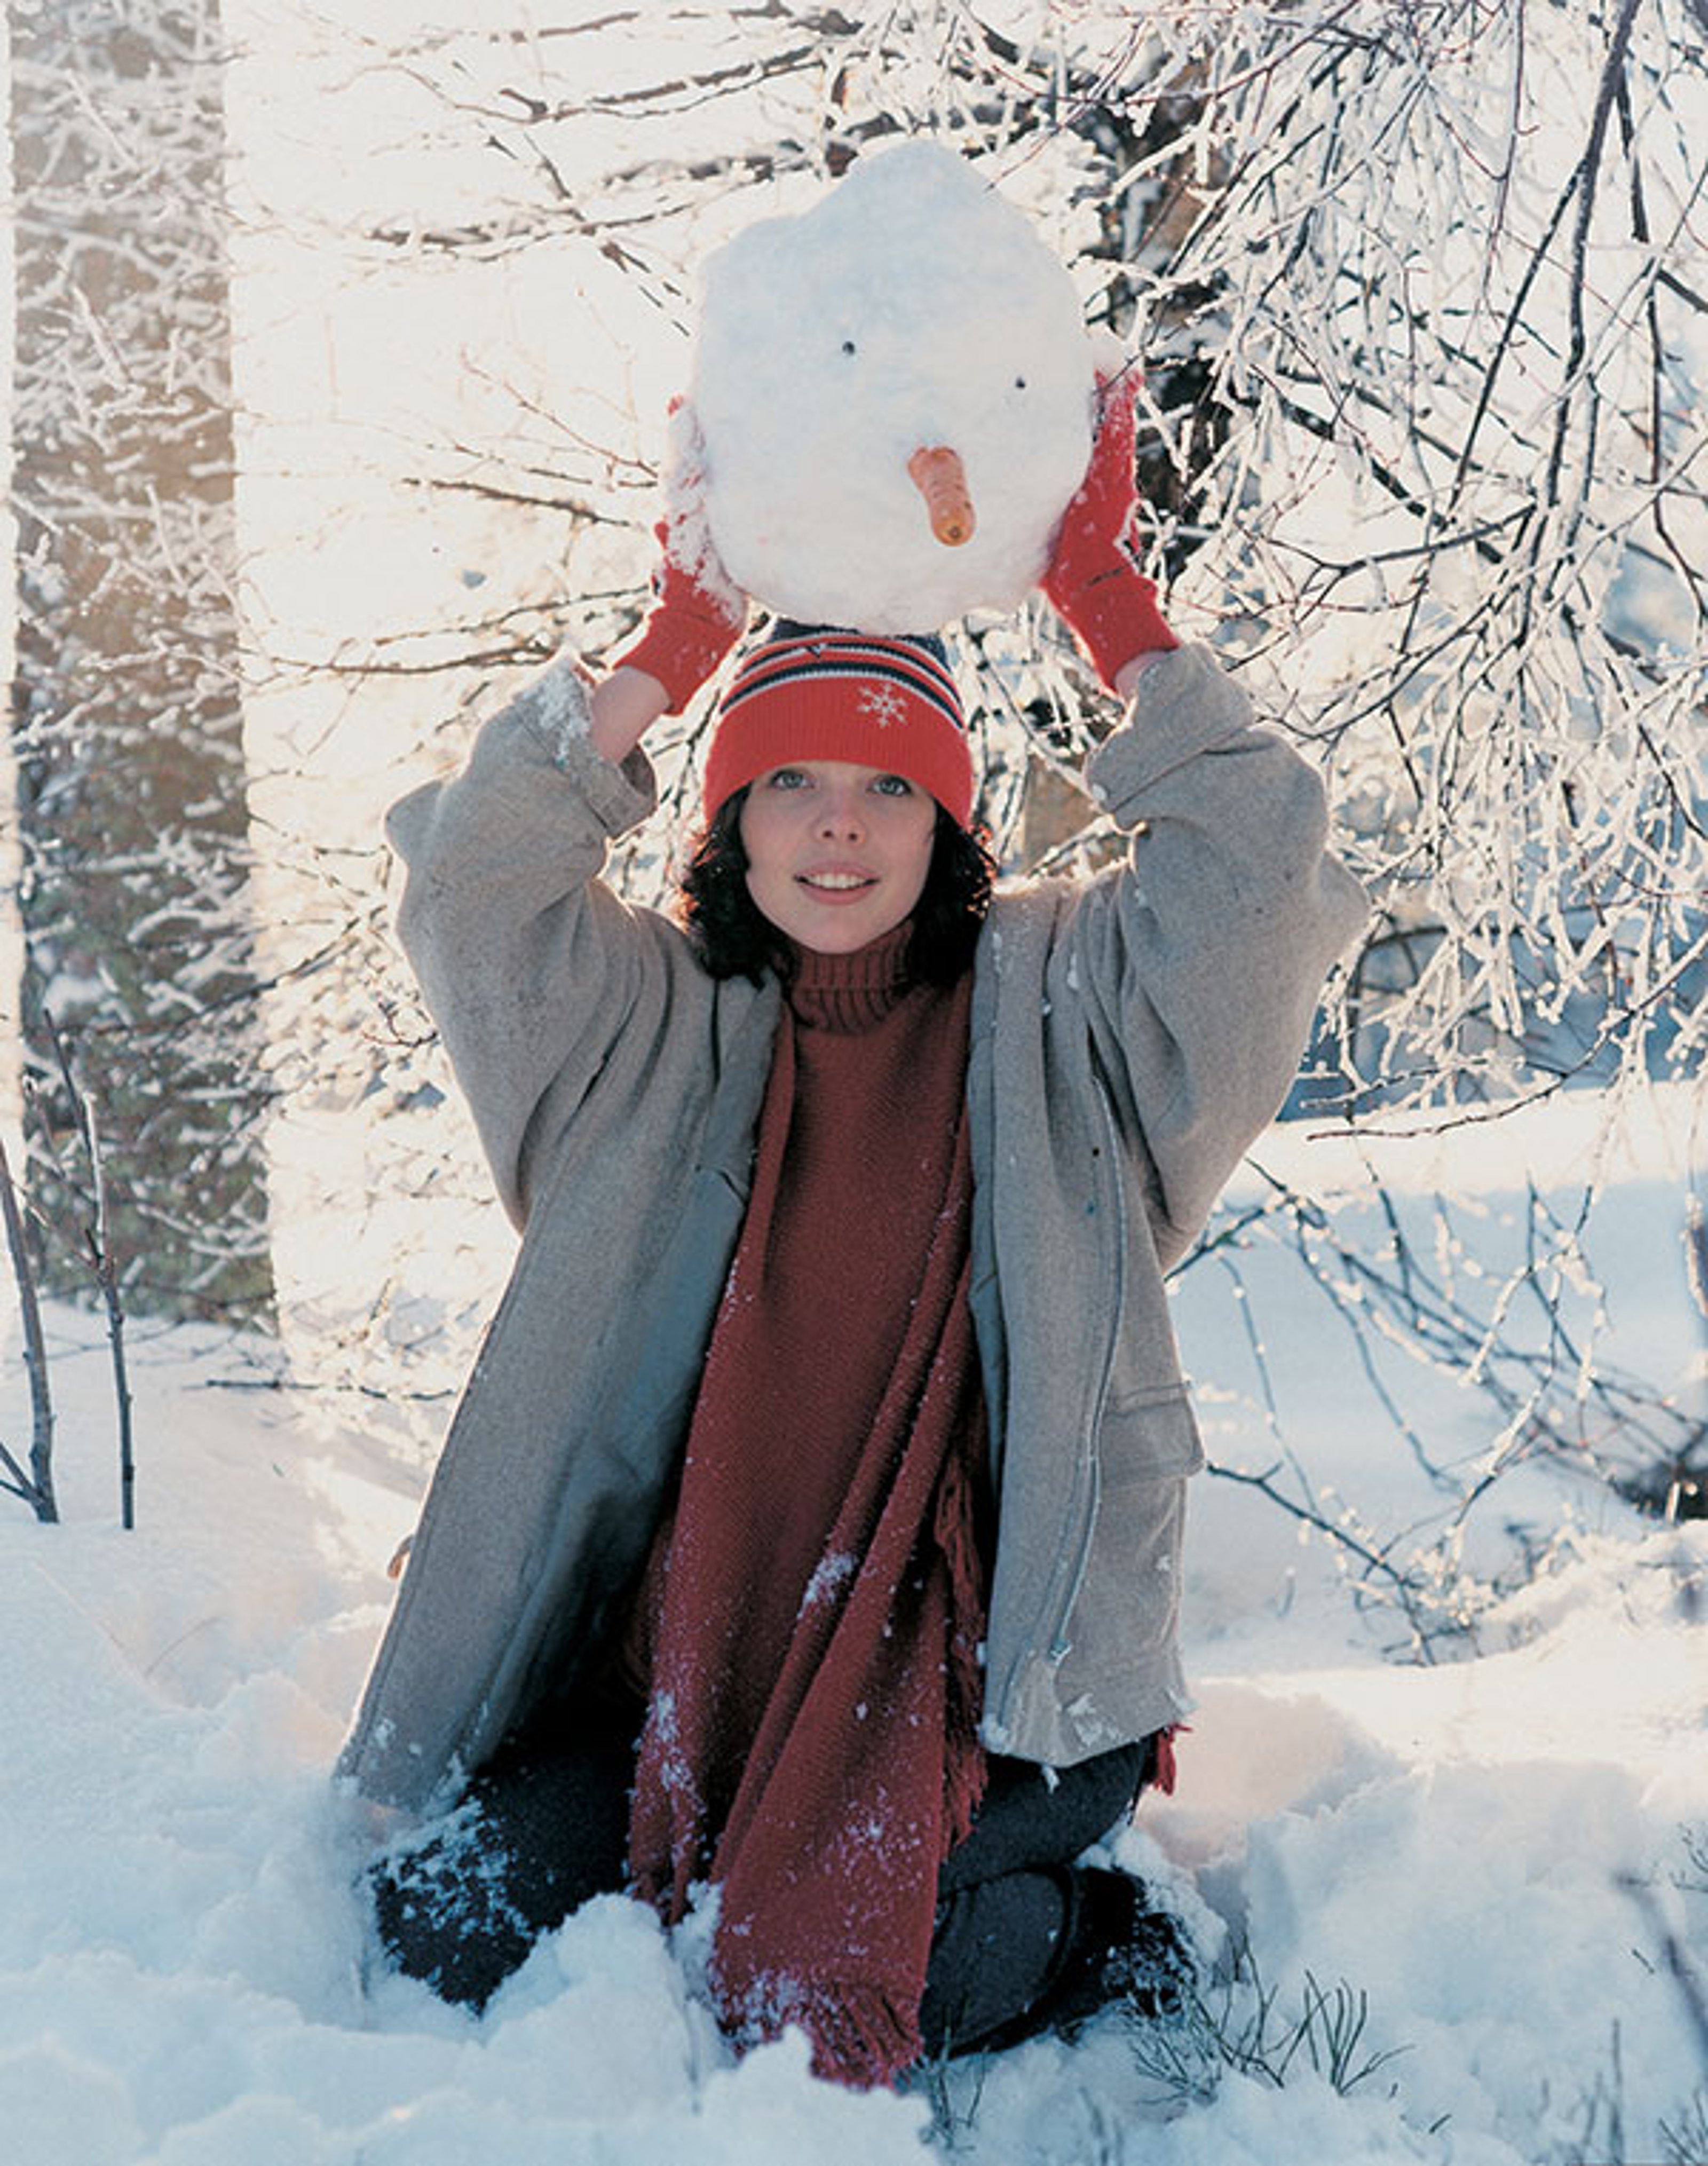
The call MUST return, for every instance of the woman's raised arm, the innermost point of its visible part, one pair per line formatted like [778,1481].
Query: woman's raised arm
[529,964]
[1203,957]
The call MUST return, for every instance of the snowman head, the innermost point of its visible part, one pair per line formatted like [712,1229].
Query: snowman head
[894,392]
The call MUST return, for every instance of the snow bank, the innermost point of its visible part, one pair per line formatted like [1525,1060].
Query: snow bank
[1492,1850]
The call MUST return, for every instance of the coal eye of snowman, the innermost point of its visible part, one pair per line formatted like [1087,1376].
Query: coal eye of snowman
[1019,383]
[848,346]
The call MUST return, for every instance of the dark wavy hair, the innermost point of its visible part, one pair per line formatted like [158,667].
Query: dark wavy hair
[733,938]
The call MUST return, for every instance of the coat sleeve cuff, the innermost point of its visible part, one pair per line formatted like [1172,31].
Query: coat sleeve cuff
[552,710]
[1186,704]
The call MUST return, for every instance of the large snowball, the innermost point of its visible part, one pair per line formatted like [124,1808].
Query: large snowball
[910,307]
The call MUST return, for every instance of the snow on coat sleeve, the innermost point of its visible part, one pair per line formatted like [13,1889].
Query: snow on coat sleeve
[1202,961]
[529,964]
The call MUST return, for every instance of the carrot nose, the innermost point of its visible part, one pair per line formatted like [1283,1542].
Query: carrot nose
[937,473]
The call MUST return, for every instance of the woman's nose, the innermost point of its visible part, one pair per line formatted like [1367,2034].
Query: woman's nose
[839,814]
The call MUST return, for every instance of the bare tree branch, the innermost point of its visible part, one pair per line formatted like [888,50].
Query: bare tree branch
[36,1488]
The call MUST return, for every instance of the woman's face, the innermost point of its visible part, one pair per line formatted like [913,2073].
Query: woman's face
[836,854]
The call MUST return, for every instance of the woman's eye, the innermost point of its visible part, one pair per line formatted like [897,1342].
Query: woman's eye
[894,785]
[786,777]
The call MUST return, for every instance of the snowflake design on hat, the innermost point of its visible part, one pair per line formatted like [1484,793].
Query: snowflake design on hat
[884,703]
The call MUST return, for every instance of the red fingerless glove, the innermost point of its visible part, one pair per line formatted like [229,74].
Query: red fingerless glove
[699,613]
[1092,580]
[691,626]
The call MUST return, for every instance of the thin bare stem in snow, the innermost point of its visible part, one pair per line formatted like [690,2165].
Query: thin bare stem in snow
[35,1487]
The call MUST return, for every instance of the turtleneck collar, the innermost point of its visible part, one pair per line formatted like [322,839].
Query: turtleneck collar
[850,993]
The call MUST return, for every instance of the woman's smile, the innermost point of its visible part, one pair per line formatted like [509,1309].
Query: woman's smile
[836,883]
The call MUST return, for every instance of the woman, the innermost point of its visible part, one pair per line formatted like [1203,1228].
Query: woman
[810,1528]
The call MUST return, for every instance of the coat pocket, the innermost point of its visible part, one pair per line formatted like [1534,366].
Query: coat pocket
[1147,1434]
[1127,1613]
[1125,1624]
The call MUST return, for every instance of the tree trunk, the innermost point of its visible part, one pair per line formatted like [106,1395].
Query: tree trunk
[127,711]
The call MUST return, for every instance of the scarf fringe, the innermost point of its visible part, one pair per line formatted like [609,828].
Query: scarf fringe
[859,2036]
[964,1765]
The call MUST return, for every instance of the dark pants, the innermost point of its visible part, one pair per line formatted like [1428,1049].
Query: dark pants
[544,1827]
[1016,1924]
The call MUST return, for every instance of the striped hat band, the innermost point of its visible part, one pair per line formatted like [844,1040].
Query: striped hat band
[889,704]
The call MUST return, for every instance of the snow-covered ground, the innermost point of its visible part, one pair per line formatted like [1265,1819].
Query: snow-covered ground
[1488,1856]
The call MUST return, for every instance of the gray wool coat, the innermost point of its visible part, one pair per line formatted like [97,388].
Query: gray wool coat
[1130,1035]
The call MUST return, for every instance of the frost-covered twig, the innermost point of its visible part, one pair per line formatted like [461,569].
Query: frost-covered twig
[1405,1590]
[35,1486]
[1507,1333]
[1680,1964]
[1238,2022]
[98,1237]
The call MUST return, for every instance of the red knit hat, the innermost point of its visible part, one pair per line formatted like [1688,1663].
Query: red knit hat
[824,694]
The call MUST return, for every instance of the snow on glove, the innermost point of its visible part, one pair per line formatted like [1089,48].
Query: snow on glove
[1092,579]
[700,612]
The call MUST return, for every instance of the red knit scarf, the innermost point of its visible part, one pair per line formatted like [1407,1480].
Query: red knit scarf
[811,1742]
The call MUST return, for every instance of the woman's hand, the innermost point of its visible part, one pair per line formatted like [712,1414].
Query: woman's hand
[621,710]
[1092,579]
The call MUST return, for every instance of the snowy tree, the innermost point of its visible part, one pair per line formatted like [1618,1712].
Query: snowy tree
[127,716]
[1421,294]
